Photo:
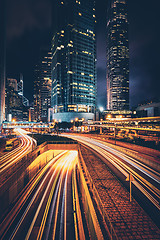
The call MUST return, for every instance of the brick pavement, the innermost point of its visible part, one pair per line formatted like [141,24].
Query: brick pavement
[128,218]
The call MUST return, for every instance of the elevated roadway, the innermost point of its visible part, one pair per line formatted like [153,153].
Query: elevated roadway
[148,124]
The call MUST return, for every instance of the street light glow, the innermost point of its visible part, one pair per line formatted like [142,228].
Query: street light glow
[101,109]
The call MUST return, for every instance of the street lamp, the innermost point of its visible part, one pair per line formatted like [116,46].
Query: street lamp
[101,109]
[109,116]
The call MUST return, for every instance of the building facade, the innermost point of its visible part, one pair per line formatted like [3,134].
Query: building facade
[2,61]
[20,91]
[37,94]
[12,82]
[13,102]
[151,109]
[73,60]
[117,56]
[42,86]
[16,105]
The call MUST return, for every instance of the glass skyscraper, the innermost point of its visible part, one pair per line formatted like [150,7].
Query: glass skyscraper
[73,60]
[42,85]
[117,56]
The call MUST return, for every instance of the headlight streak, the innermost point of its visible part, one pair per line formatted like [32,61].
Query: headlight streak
[63,168]
[102,148]
[18,153]
[126,158]
[79,228]
[42,200]
[50,217]
[33,198]
[27,193]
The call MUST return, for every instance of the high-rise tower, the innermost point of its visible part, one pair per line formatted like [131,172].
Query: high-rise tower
[73,60]
[42,85]
[2,61]
[117,56]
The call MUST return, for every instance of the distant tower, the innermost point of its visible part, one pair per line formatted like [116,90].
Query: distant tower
[20,91]
[42,85]
[20,86]
[2,61]
[37,93]
[117,56]
[73,60]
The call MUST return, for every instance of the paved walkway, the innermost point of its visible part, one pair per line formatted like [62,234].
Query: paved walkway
[128,218]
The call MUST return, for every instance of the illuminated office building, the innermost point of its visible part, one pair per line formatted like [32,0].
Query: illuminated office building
[73,60]
[20,91]
[37,94]
[117,56]
[42,85]
[2,61]
[14,101]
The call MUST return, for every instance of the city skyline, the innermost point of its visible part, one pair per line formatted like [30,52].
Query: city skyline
[143,39]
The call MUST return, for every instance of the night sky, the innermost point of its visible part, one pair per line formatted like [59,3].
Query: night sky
[29,28]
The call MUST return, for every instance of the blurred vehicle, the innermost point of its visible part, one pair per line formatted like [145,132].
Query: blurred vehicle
[11,144]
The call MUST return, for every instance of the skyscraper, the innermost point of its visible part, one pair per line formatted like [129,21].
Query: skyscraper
[20,91]
[42,85]
[14,101]
[73,60]
[37,93]
[2,61]
[117,56]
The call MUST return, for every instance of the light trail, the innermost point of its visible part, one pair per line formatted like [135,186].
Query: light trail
[34,196]
[25,196]
[11,158]
[49,206]
[52,181]
[145,179]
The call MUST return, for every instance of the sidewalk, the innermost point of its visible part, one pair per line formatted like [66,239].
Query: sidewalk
[128,218]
